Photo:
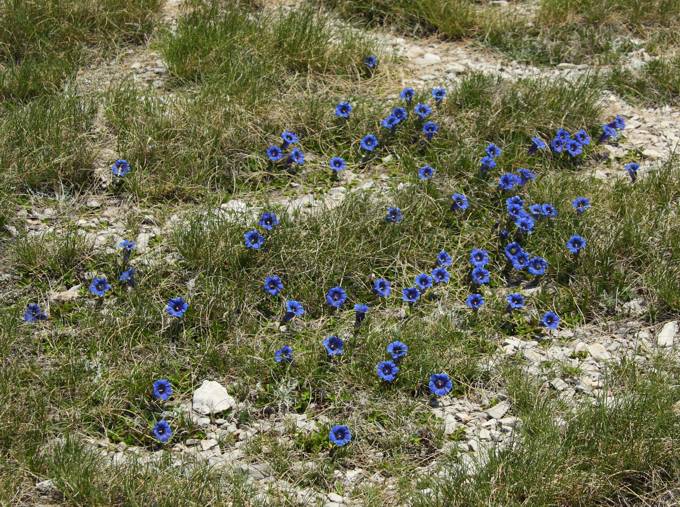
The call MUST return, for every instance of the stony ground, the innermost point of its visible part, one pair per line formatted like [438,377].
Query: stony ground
[572,362]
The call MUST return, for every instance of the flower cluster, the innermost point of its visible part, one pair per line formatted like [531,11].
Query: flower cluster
[611,130]
[254,239]
[286,151]
[161,390]
[564,142]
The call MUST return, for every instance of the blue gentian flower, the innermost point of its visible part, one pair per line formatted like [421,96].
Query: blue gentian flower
[422,110]
[574,148]
[440,275]
[99,286]
[268,220]
[394,215]
[343,110]
[400,113]
[632,169]
[525,223]
[520,261]
[397,350]
[480,276]
[513,249]
[487,164]
[536,210]
[575,244]
[390,122]
[127,277]
[515,210]
[360,311]
[474,301]
[273,285]
[162,431]
[440,384]
[284,354]
[515,301]
[296,156]
[288,139]
[525,175]
[369,142]
[337,164]
[334,346]
[274,153]
[382,287]
[293,309]
[550,320]
[479,257]
[537,266]
[430,128]
[336,297]
[515,200]
[410,295]
[34,313]
[508,181]
[444,259]
[493,151]
[537,144]
[426,172]
[618,123]
[177,307]
[162,389]
[340,435]
[460,202]
[423,282]
[120,168]
[557,145]
[127,245]
[503,234]
[581,204]
[253,239]
[608,132]
[548,210]
[438,94]
[371,61]
[563,134]
[407,94]
[387,370]
[582,137]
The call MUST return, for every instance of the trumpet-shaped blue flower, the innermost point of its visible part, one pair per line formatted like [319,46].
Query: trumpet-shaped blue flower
[493,151]
[334,346]
[162,431]
[120,168]
[336,297]
[423,282]
[343,110]
[407,94]
[474,301]
[460,202]
[575,244]
[581,204]
[268,220]
[337,164]
[34,313]
[162,389]
[444,259]
[480,276]
[99,286]
[479,257]
[422,110]
[394,215]
[426,172]
[397,350]
[177,307]
[274,153]
[369,142]
[410,295]
[515,301]
[273,285]
[253,239]
[284,354]
[340,435]
[382,287]
[537,266]
[550,320]
[440,275]
[440,384]
[387,370]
